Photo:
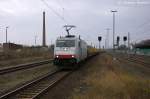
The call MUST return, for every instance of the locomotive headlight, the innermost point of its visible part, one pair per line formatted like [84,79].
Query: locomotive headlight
[65,49]
[57,56]
[72,56]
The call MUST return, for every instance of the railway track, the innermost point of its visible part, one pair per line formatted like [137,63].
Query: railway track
[23,66]
[36,88]
[135,59]
[144,59]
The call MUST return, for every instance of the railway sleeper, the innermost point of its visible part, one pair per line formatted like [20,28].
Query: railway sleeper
[24,96]
[31,91]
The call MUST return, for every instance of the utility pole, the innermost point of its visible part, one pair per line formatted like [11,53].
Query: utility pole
[129,40]
[107,38]
[35,40]
[113,11]
[91,44]
[6,33]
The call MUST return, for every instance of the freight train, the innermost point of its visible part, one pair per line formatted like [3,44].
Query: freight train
[69,51]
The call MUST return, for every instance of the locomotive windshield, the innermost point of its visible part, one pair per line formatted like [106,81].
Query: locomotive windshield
[65,43]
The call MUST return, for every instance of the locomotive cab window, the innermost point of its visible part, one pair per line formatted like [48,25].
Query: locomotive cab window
[65,43]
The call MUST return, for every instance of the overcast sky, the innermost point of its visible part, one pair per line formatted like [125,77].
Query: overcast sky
[91,18]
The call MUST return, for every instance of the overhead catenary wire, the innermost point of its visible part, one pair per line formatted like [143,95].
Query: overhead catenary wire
[60,4]
[59,15]
[88,37]
[142,25]
[65,11]
[138,29]
[55,12]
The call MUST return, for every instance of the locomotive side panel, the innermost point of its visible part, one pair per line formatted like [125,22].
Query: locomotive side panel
[83,50]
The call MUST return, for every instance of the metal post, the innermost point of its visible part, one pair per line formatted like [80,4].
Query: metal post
[113,11]
[107,38]
[129,40]
[106,42]
[99,44]
[113,30]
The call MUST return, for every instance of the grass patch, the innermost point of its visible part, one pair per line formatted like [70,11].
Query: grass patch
[10,58]
[106,80]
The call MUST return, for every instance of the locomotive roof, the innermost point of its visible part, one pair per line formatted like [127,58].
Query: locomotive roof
[67,38]
[70,38]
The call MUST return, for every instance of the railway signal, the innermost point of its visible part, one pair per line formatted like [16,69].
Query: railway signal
[118,40]
[124,38]
[99,39]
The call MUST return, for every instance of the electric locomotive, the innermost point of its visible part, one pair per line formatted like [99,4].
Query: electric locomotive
[69,50]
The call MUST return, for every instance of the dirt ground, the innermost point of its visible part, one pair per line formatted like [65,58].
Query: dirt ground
[104,77]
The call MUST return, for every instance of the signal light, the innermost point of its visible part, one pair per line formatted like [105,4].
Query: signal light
[99,38]
[125,38]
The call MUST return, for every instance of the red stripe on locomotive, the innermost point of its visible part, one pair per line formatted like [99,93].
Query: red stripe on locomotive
[65,56]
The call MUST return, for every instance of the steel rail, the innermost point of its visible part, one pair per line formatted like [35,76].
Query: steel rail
[36,87]
[23,66]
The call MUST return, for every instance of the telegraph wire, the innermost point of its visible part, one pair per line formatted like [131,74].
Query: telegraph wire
[64,11]
[62,8]
[146,23]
